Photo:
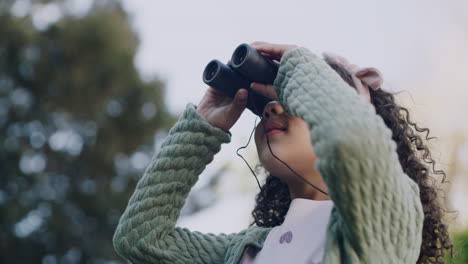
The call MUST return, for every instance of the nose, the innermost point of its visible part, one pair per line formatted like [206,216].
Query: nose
[272,109]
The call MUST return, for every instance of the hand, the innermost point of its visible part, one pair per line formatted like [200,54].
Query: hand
[220,110]
[274,52]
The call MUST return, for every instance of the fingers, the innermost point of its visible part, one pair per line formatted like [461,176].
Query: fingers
[275,51]
[215,92]
[240,97]
[238,104]
[266,90]
[272,50]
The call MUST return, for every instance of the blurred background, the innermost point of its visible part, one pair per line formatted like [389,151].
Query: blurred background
[89,90]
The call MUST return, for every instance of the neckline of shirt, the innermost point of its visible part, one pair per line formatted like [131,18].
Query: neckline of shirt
[301,208]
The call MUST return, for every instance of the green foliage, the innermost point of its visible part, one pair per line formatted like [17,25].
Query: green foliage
[77,125]
[460,242]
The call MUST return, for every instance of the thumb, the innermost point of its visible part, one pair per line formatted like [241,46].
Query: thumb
[240,99]
[239,103]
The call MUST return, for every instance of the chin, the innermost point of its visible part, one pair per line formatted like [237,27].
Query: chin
[274,166]
[302,162]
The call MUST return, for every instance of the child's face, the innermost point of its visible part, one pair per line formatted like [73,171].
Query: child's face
[292,146]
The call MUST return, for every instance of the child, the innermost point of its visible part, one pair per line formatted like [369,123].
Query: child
[356,193]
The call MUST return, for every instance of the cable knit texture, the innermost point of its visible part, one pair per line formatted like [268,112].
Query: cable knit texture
[377,215]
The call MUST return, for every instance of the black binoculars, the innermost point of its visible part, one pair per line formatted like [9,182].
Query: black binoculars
[247,65]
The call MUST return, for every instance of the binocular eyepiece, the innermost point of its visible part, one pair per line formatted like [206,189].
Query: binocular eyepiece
[247,65]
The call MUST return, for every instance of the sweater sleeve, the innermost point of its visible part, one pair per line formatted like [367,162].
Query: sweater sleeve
[377,205]
[146,232]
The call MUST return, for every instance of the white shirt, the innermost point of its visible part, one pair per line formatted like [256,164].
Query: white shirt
[300,238]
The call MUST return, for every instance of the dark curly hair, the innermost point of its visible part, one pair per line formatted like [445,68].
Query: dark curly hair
[273,201]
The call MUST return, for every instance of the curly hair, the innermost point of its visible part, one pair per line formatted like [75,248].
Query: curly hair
[273,200]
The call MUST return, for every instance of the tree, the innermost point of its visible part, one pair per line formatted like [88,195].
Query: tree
[77,124]
[460,240]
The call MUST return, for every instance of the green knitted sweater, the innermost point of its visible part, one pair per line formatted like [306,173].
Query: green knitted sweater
[377,215]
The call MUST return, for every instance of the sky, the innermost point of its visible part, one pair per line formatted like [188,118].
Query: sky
[419,46]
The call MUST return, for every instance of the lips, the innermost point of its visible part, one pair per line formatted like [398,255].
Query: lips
[275,129]
[270,126]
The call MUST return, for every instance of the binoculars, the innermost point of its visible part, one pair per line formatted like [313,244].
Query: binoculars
[247,65]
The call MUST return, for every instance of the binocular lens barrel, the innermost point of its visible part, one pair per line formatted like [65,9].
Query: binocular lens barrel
[210,72]
[222,77]
[239,55]
[251,63]
[247,66]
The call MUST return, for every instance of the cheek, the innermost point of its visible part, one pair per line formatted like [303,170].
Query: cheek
[302,139]
[296,145]
[294,149]
[306,149]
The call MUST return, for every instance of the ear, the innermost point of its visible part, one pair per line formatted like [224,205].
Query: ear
[372,77]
